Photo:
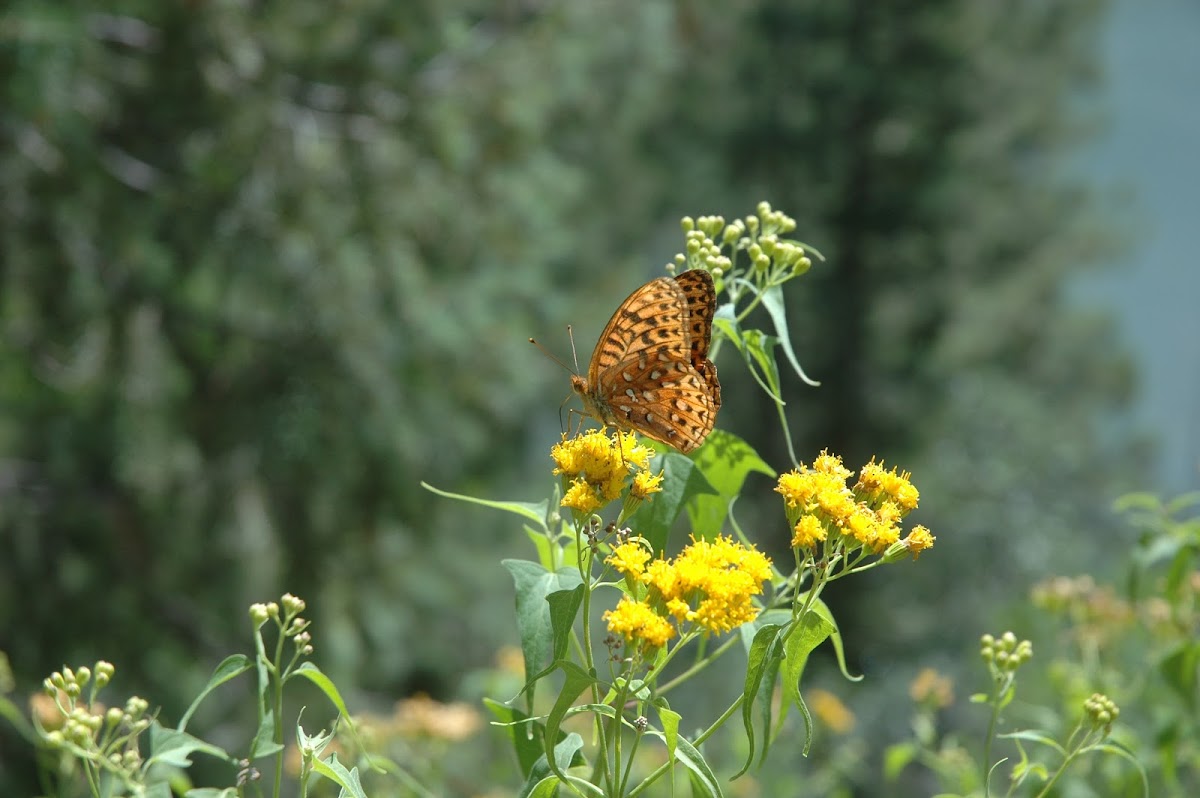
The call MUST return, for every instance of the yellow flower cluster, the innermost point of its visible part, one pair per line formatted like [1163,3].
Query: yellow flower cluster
[596,466]
[819,502]
[711,584]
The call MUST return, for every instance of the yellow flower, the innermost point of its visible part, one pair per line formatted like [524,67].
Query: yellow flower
[583,497]
[645,484]
[831,464]
[597,466]
[809,531]
[918,540]
[630,559]
[636,621]
[722,577]
[875,484]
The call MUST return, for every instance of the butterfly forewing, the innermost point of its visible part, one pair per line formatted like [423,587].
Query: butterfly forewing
[649,371]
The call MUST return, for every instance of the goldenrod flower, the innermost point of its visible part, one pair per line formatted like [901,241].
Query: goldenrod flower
[918,540]
[629,559]
[827,463]
[817,500]
[721,577]
[597,466]
[645,484]
[876,484]
[636,621]
[809,531]
[583,497]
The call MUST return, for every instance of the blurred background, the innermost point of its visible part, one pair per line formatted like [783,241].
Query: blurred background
[266,266]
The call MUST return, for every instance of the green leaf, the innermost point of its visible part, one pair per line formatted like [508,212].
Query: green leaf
[527,736]
[173,747]
[313,674]
[725,460]
[564,606]
[211,792]
[764,647]
[533,511]
[577,680]
[533,584]
[754,346]
[231,667]
[670,726]
[336,772]
[772,300]
[1034,736]
[835,637]
[704,781]
[264,743]
[544,777]
[811,630]
[681,482]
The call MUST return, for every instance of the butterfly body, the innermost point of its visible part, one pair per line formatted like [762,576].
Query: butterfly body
[650,370]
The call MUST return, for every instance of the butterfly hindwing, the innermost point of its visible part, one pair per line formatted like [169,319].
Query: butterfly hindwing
[650,370]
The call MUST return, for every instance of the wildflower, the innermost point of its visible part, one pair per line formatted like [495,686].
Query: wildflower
[645,484]
[596,466]
[629,558]
[817,500]
[637,621]
[722,576]
[809,531]
[876,484]
[918,540]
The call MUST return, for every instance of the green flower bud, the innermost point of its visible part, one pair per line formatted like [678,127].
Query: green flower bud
[258,614]
[83,675]
[688,224]
[292,605]
[113,716]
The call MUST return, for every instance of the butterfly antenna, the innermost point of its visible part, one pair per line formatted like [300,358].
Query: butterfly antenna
[574,356]
[551,355]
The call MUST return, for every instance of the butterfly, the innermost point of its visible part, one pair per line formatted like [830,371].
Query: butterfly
[650,370]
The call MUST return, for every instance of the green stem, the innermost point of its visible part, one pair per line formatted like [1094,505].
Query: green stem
[697,667]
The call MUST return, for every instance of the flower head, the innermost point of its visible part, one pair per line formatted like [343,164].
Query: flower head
[638,623]
[817,501]
[595,468]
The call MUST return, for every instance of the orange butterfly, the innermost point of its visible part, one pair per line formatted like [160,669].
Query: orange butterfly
[650,370]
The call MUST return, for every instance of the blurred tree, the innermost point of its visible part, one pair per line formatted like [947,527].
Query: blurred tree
[924,148]
[265,267]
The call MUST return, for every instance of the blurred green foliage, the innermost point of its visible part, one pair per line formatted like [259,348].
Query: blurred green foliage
[266,266]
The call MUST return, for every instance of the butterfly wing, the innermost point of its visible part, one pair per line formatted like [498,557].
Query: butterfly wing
[650,371]
[701,295]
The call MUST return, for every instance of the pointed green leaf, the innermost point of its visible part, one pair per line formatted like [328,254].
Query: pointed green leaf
[577,680]
[761,651]
[174,748]
[336,772]
[232,666]
[324,683]
[534,623]
[533,511]
[773,302]
[681,482]
[725,460]
[527,736]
